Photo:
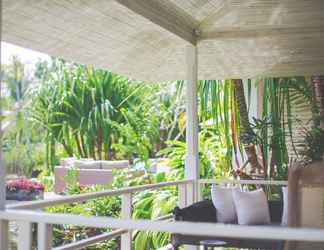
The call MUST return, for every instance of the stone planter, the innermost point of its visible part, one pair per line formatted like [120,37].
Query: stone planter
[24,195]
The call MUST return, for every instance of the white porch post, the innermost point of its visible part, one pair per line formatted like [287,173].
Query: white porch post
[4,242]
[191,162]
[4,228]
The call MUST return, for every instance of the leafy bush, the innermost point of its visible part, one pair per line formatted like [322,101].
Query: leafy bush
[97,114]
[107,206]
[213,161]
[146,205]
[313,146]
[21,160]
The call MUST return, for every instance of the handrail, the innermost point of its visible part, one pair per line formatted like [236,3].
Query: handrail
[111,192]
[252,182]
[93,195]
[101,237]
[93,240]
[21,213]
[187,228]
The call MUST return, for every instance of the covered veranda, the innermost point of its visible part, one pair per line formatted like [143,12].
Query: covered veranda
[165,41]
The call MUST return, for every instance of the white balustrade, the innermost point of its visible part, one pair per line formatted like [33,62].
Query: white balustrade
[123,227]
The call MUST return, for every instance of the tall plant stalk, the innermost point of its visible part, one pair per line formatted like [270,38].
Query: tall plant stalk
[218,107]
[247,135]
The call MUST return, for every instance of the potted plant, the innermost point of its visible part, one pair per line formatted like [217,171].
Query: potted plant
[23,189]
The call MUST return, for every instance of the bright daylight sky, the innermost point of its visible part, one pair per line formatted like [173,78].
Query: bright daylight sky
[27,56]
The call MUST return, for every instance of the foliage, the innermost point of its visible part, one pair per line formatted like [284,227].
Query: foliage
[279,95]
[15,78]
[313,146]
[17,159]
[79,108]
[84,112]
[146,205]
[107,206]
[152,204]
[218,107]
[104,206]
[211,154]
[20,137]
[101,115]
[138,135]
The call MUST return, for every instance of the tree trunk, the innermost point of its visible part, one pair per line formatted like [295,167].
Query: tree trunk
[318,85]
[83,146]
[78,145]
[99,143]
[67,148]
[247,136]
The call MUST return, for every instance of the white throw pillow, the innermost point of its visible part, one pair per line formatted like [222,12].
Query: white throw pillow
[251,207]
[284,218]
[223,202]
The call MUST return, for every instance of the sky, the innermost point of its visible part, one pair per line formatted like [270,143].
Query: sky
[27,56]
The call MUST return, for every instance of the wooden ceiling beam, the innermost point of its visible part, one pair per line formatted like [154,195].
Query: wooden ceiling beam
[261,31]
[160,15]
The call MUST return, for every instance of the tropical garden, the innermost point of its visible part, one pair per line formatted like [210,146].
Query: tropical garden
[62,109]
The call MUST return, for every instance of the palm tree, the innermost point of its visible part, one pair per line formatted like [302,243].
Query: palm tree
[15,79]
[318,86]
[247,135]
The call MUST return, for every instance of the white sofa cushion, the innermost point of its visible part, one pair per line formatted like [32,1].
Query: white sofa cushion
[284,219]
[251,207]
[223,201]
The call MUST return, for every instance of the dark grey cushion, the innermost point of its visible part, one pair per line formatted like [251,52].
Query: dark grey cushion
[203,211]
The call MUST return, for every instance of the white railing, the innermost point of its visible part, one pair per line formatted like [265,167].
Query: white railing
[124,226]
[203,182]
[244,182]
[44,228]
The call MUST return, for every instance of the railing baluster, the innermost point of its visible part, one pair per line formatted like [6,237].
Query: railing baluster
[200,190]
[126,213]
[182,195]
[24,235]
[191,193]
[44,236]
[4,234]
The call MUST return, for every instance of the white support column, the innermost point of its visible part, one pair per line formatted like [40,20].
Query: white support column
[126,213]
[2,179]
[24,235]
[4,228]
[44,236]
[191,163]
[4,240]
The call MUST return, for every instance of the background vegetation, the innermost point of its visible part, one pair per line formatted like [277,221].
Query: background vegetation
[61,109]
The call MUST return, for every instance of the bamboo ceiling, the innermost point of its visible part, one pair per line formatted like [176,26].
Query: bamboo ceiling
[146,39]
